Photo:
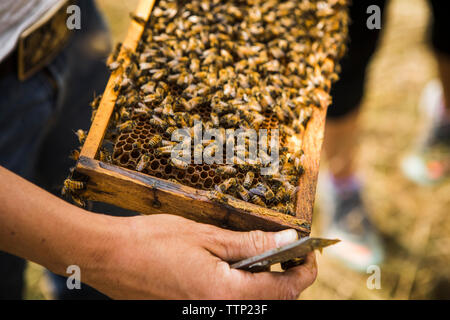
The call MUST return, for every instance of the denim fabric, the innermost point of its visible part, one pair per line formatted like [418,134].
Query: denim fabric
[38,118]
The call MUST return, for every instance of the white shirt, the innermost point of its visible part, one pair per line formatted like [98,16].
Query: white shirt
[15,17]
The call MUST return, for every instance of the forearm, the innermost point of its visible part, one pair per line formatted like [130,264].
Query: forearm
[160,256]
[42,228]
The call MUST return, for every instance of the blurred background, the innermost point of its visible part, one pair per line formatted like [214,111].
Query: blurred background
[414,221]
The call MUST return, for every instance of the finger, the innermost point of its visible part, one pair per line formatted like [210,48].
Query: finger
[235,246]
[303,276]
[288,285]
[237,284]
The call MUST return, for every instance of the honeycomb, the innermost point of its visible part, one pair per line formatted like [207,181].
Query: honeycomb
[282,56]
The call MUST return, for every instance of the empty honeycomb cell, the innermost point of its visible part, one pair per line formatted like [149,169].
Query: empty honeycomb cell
[123,137]
[135,154]
[208,183]
[130,140]
[217,179]
[167,170]
[134,136]
[124,158]
[128,147]
[190,170]
[203,175]
[180,175]
[121,143]
[163,162]
[195,177]
[158,175]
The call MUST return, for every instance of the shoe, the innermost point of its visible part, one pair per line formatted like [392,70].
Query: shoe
[346,218]
[429,162]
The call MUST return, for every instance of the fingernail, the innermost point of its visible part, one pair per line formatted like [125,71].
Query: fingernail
[285,237]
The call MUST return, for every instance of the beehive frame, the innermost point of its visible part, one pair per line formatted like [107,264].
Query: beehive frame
[150,195]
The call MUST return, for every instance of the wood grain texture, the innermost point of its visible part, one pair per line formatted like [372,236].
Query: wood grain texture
[148,195]
[312,146]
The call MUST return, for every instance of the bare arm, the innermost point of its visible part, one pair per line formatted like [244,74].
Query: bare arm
[161,256]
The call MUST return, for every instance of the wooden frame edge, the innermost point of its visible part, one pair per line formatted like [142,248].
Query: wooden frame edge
[150,195]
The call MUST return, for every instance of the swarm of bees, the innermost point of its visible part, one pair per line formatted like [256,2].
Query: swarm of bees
[229,64]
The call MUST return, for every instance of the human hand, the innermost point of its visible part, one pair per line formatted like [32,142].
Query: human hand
[169,257]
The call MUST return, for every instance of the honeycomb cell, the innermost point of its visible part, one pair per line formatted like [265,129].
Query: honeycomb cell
[124,158]
[195,178]
[208,183]
[135,154]
[190,170]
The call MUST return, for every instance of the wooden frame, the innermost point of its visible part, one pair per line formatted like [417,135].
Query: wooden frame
[148,195]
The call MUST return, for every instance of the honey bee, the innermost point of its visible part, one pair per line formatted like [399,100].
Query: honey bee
[218,196]
[226,170]
[248,180]
[243,193]
[81,135]
[289,209]
[164,150]
[114,65]
[257,200]
[171,130]
[78,201]
[227,184]
[281,195]
[105,156]
[179,163]
[72,186]
[114,54]
[266,191]
[75,155]
[124,114]
[155,140]
[143,162]
[158,122]
[198,151]
[126,126]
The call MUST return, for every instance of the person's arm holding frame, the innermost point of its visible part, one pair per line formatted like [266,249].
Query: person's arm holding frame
[160,256]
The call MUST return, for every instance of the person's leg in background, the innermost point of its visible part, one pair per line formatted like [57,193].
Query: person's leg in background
[429,163]
[344,212]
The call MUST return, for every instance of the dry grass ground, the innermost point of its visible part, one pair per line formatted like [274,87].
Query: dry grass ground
[414,221]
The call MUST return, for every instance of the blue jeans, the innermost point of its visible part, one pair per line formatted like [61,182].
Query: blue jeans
[38,118]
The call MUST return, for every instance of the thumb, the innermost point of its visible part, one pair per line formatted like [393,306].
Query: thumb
[234,246]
